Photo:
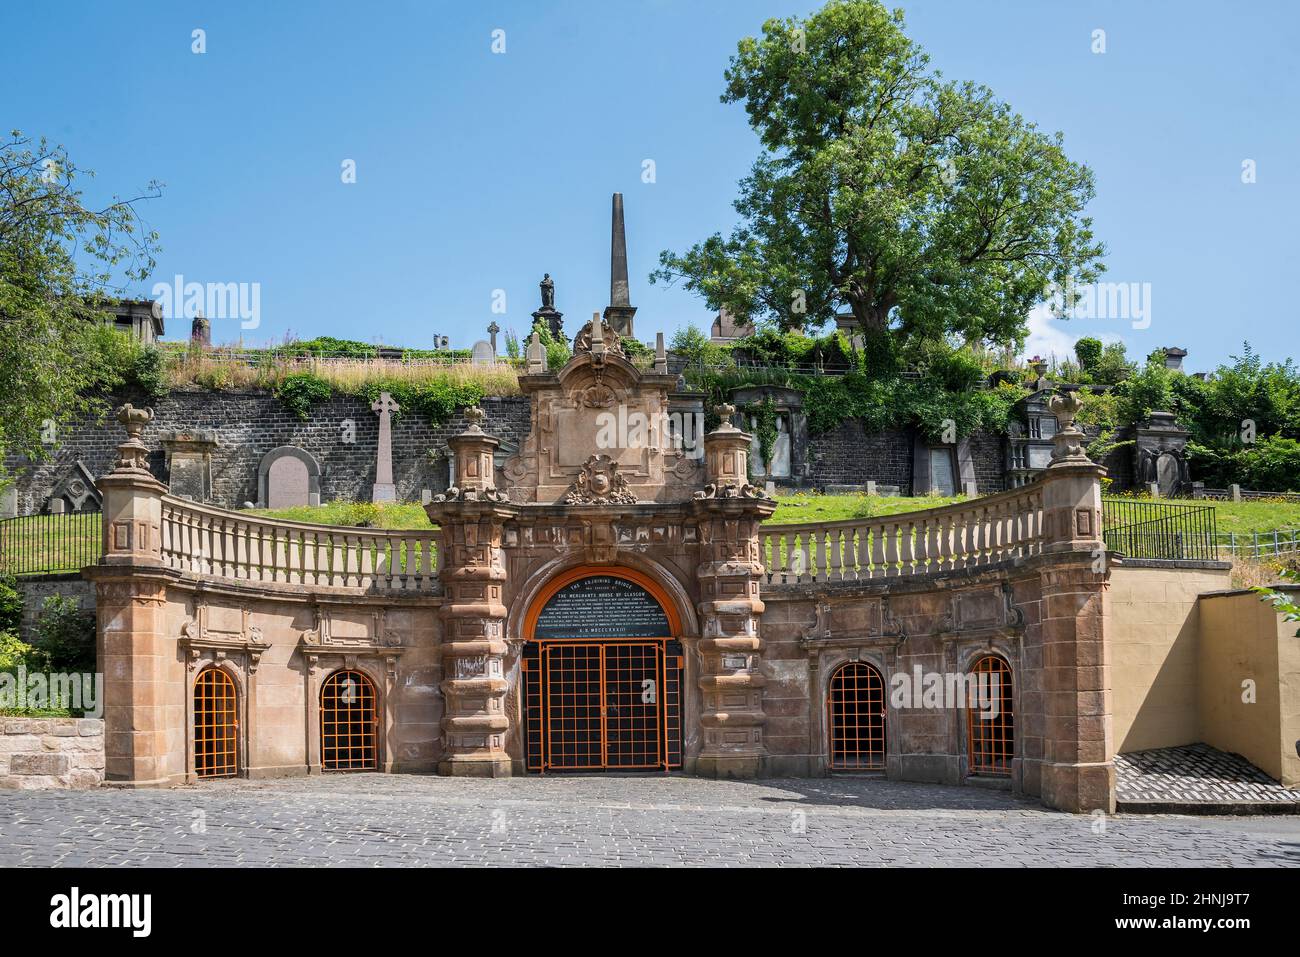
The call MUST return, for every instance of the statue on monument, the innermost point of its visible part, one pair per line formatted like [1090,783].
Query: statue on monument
[547,313]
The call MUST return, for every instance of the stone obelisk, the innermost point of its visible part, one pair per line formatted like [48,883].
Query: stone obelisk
[620,310]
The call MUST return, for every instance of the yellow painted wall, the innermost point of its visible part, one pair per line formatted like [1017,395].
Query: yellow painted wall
[1243,638]
[1153,626]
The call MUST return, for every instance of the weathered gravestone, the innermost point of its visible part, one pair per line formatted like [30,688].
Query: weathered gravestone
[288,477]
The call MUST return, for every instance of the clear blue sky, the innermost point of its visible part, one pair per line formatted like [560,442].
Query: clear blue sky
[478,171]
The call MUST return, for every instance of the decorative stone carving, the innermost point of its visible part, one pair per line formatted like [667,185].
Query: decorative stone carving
[1068,440]
[612,341]
[456,494]
[133,452]
[599,483]
[77,489]
[201,641]
[599,396]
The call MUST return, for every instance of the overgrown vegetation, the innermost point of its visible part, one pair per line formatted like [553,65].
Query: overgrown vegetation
[64,642]
[929,384]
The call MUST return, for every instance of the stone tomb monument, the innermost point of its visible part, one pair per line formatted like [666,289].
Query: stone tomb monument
[189,463]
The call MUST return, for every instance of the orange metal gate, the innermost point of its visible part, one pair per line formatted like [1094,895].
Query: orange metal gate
[216,725]
[603,705]
[856,709]
[348,723]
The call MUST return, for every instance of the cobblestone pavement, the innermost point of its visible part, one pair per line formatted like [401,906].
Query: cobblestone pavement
[1195,774]
[375,819]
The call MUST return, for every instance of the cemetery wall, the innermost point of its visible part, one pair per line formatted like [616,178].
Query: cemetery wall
[250,424]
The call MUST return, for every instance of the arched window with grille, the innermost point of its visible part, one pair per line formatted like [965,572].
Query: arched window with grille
[348,723]
[216,725]
[855,706]
[991,731]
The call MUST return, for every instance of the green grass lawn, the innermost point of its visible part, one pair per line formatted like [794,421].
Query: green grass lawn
[1243,518]
[50,544]
[368,514]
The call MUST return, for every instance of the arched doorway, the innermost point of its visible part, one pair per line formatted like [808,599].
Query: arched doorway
[855,704]
[602,674]
[348,723]
[216,725]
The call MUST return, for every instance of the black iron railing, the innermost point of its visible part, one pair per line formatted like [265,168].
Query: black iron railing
[1139,528]
[50,544]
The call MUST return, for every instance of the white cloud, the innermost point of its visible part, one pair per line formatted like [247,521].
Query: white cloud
[1051,337]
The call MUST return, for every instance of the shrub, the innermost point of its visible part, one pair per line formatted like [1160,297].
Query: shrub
[149,371]
[11,605]
[437,399]
[14,652]
[65,635]
[300,390]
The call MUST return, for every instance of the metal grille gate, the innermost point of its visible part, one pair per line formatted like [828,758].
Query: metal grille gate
[605,705]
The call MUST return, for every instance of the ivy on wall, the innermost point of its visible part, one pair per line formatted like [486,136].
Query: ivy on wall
[765,429]
[436,400]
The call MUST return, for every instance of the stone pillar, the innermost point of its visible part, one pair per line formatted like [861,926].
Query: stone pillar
[201,333]
[1077,769]
[130,594]
[472,516]
[729,511]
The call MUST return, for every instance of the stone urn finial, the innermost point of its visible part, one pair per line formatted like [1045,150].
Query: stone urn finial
[1068,440]
[133,451]
[725,411]
[476,417]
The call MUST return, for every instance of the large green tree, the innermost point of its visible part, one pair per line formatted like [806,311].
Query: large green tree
[925,207]
[61,260]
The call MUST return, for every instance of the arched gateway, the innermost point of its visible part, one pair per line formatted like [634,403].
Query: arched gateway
[602,674]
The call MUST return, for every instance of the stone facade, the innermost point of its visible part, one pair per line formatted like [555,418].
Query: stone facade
[445,650]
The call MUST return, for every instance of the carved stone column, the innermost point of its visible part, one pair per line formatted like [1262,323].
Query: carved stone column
[1077,771]
[130,594]
[472,516]
[729,511]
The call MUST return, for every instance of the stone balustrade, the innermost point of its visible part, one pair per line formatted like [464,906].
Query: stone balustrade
[981,532]
[215,543]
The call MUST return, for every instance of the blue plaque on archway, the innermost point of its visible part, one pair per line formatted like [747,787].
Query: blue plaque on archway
[602,606]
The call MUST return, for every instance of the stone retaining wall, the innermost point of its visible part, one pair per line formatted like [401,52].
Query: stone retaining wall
[51,753]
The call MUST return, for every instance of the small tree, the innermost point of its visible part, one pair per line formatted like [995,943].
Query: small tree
[1088,351]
